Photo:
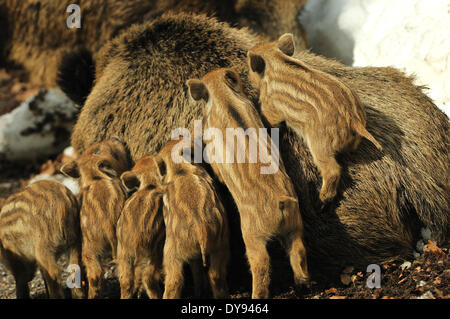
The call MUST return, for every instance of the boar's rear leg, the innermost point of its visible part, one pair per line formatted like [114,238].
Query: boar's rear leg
[259,261]
[151,277]
[217,273]
[23,273]
[94,273]
[51,273]
[297,256]
[173,281]
[126,270]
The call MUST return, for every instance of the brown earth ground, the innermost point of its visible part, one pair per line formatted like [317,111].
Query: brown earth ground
[427,277]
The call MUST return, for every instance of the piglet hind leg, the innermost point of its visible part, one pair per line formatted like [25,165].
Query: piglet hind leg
[174,280]
[23,275]
[217,274]
[51,273]
[297,257]
[259,261]
[94,273]
[151,278]
[173,270]
[126,272]
[22,271]
[329,169]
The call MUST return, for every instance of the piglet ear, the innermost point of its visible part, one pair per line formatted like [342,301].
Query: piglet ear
[286,44]
[105,167]
[197,90]
[256,63]
[130,181]
[71,169]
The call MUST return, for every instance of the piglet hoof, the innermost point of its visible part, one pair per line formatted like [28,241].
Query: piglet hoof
[303,288]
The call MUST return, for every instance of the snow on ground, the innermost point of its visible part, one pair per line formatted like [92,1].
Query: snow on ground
[52,173]
[39,127]
[413,36]
[70,183]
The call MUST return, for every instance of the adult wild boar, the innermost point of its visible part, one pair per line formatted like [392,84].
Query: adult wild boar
[383,199]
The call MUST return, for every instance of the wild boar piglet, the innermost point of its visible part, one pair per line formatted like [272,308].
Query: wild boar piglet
[37,225]
[141,231]
[266,200]
[196,225]
[101,200]
[325,112]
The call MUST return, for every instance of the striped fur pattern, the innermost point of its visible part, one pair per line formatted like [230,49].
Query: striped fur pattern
[325,112]
[37,225]
[101,199]
[267,203]
[141,231]
[196,226]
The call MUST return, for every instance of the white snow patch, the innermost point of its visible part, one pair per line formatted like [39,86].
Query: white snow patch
[69,151]
[413,36]
[70,183]
[30,131]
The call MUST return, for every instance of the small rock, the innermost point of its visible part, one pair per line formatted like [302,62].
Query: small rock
[420,245]
[405,265]
[421,284]
[426,234]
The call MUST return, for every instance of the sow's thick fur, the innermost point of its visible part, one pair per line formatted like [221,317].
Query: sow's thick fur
[382,201]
